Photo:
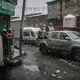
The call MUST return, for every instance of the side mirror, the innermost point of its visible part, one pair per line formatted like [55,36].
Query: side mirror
[67,38]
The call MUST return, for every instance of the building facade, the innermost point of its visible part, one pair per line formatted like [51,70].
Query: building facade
[68,6]
[30,20]
[15,25]
[36,20]
[7,9]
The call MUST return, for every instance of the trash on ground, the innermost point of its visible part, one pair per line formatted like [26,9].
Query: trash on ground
[57,71]
[31,67]
[59,77]
[53,75]
[65,72]
[44,73]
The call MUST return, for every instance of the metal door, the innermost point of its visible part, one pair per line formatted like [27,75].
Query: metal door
[64,44]
[53,41]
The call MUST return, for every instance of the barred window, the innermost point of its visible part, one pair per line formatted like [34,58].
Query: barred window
[52,7]
[69,3]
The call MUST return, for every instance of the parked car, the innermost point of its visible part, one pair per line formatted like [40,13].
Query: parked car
[62,41]
[30,34]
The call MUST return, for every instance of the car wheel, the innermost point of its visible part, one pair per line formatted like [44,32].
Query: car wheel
[76,55]
[43,49]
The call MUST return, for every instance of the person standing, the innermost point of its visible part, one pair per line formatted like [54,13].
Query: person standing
[5,41]
[51,27]
[10,41]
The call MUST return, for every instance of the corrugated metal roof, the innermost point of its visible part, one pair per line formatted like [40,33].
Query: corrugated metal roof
[51,1]
[17,19]
[36,15]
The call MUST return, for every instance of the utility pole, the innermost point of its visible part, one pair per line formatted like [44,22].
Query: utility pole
[21,27]
[61,18]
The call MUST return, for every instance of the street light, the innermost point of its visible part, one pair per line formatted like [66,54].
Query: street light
[21,27]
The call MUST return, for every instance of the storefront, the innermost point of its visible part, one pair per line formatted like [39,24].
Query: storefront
[7,9]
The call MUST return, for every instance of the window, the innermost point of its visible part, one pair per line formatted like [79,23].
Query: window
[52,7]
[54,35]
[74,34]
[69,3]
[63,36]
[26,33]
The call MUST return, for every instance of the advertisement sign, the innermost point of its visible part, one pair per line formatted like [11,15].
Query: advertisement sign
[7,8]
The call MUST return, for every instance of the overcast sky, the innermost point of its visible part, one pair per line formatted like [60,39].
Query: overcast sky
[32,6]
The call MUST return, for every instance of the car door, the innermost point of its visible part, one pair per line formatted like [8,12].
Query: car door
[53,40]
[64,43]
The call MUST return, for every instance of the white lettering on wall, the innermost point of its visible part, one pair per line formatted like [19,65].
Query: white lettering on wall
[8,6]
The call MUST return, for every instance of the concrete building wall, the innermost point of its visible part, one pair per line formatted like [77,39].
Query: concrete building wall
[53,13]
[56,13]
[15,25]
[78,3]
[72,10]
[31,21]
[28,22]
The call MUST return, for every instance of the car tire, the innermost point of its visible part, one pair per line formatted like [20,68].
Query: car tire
[36,45]
[76,55]
[43,49]
[15,63]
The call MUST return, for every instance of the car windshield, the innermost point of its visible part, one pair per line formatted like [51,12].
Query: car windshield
[74,34]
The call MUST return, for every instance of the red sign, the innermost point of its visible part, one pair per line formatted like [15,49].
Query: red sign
[1,17]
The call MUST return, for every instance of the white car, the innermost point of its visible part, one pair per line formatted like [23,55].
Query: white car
[62,41]
[30,34]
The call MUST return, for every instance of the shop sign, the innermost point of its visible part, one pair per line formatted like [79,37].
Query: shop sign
[7,8]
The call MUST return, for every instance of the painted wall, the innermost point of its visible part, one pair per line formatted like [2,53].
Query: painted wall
[65,10]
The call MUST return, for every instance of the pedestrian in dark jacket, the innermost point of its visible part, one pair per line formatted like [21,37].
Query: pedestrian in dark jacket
[5,41]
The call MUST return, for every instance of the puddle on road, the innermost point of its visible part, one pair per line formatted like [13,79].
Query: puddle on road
[31,67]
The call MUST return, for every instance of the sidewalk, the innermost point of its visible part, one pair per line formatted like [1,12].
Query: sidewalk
[16,53]
[16,49]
